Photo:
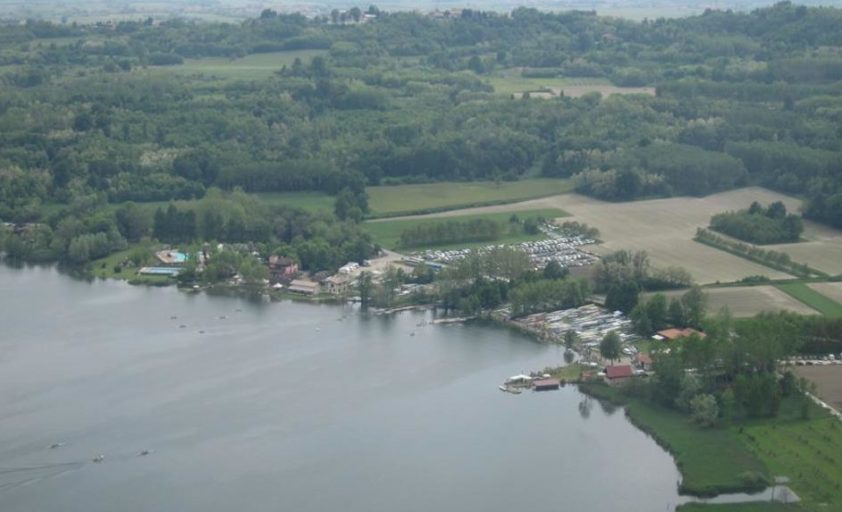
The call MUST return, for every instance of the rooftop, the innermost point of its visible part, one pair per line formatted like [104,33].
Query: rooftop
[619,371]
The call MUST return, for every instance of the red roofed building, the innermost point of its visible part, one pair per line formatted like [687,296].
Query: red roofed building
[618,374]
[674,334]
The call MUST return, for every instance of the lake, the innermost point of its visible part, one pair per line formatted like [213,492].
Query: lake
[254,406]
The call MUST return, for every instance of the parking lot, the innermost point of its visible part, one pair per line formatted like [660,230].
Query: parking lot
[564,248]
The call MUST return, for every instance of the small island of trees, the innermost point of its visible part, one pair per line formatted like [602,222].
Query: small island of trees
[759,225]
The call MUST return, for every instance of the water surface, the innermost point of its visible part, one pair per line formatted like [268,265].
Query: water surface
[284,406]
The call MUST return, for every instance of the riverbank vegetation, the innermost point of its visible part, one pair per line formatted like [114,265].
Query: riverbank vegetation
[719,404]
[759,225]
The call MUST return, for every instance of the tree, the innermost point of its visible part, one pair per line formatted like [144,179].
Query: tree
[554,270]
[355,14]
[570,338]
[640,320]
[609,347]
[704,409]
[656,309]
[132,221]
[695,306]
[676,313]
[364,286]
[622,296]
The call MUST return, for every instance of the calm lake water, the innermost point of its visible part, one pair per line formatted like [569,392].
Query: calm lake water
[288,406]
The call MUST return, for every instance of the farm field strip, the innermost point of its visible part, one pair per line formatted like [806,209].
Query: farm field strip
[403,200]
[387,232]
[832,291]
[812,298]
[747,301]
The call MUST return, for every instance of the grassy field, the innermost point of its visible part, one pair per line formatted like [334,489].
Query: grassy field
[812,298]
[256,66]
[310,201]
[511,82]
[808,452]
[411,199]
[111,266]
[387,233]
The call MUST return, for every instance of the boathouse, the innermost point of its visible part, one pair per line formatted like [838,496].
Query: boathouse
[545,384]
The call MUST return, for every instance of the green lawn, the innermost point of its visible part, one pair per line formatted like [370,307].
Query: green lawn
[812,298]
[387,233]
[256,66]
[112,266]
[390,201]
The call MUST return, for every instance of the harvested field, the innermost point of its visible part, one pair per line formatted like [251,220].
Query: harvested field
[830,290]
[822,248]
[665,229]
[746,301]
[828,380]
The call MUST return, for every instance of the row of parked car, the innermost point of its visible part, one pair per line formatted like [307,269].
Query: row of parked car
[815,360]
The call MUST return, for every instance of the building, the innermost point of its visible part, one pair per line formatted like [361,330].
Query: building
[304,287]
[282,268]
[349,267]
[339,284]
[618,374]
[643,361]
[545,384]
[674,334]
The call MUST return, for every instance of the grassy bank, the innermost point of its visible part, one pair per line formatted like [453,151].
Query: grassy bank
[393,201]
[387,233]
[731,458]
[802,292]
[712,461]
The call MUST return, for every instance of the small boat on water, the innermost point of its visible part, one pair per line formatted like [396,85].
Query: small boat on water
[508,389]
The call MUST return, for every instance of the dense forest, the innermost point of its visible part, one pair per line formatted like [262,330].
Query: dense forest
[94,116]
